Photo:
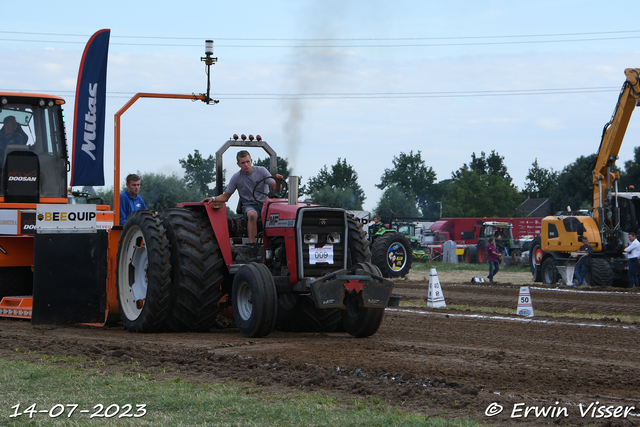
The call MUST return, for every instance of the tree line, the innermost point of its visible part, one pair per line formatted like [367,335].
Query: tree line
[480,188]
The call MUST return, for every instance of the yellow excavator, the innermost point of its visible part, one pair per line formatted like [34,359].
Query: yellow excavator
[613,215]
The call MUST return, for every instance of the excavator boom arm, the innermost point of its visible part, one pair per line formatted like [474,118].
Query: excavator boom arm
[613,133]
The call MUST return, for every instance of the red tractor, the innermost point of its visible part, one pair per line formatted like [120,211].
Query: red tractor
[180,268]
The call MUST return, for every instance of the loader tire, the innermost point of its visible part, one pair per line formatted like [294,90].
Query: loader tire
[601,273]
[143,274]
[16,282]
[360,321]
[392,254]
[549,272]
[255,300]
[298,313]
[535,259]
[196,270]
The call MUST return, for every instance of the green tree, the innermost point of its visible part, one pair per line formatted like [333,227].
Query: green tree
[631,173]
[483,188]
[282,168]
[161,191]
[415,179]
[106,194]
[574,188]
[540,181]
[199,172]
[338,188]
[400,201]
[282,165]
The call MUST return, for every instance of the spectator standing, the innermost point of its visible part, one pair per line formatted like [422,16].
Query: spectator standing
[584,264]
[634,253]
[130,200]
[494,259]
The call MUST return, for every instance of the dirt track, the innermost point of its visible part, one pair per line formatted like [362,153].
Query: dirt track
[439,362]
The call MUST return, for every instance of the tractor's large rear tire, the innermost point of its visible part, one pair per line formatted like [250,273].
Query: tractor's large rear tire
[196,271]
[470,255]
[359,245]
[535,259]
[391,253]
[481,252]
[143,280]
[549,272]
[360,321]
[601,273]
[255,300]
[16,282]
[298,313]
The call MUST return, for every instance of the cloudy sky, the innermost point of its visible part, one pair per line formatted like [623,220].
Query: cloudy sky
[355,79]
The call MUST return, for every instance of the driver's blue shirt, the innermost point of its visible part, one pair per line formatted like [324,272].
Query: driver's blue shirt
[129,204]
[16,138]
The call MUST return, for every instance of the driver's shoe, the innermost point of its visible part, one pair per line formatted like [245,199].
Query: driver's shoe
[252,253]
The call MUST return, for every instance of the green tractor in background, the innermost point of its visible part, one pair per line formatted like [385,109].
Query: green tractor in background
[392,247]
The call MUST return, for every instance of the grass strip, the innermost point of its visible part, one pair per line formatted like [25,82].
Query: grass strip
[55,384]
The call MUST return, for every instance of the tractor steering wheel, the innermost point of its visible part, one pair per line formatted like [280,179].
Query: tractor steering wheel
[271,194]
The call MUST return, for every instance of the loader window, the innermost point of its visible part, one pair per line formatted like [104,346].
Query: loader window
[44,134]
[552,232]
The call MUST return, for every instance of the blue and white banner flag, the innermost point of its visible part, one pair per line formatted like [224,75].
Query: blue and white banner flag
[89,119]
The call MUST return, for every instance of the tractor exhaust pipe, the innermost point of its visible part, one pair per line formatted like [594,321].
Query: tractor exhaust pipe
[293,190]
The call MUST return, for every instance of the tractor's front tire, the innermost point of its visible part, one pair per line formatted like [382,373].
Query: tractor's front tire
[470,255]
[197,264]
[391,253]
[254,300]
[143,280]
[481,252]
[360,321]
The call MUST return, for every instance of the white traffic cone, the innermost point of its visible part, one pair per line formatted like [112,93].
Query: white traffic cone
[525,307]
[436,297]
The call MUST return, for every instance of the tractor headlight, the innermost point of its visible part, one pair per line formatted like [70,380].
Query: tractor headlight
[333,238]
[310,239]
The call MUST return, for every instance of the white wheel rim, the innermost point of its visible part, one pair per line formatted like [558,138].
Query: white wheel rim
[244,301]
[132,274]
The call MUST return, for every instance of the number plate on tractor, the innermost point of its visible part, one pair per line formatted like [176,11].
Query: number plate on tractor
[322,255]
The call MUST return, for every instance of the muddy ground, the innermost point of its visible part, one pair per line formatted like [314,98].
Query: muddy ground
[458,364]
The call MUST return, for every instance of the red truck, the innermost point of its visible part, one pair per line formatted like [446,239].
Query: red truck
[466,232]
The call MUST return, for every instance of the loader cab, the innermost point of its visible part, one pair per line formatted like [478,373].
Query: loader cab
[34,166]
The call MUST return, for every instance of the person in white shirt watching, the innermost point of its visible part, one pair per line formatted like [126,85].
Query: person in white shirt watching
[634,253]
